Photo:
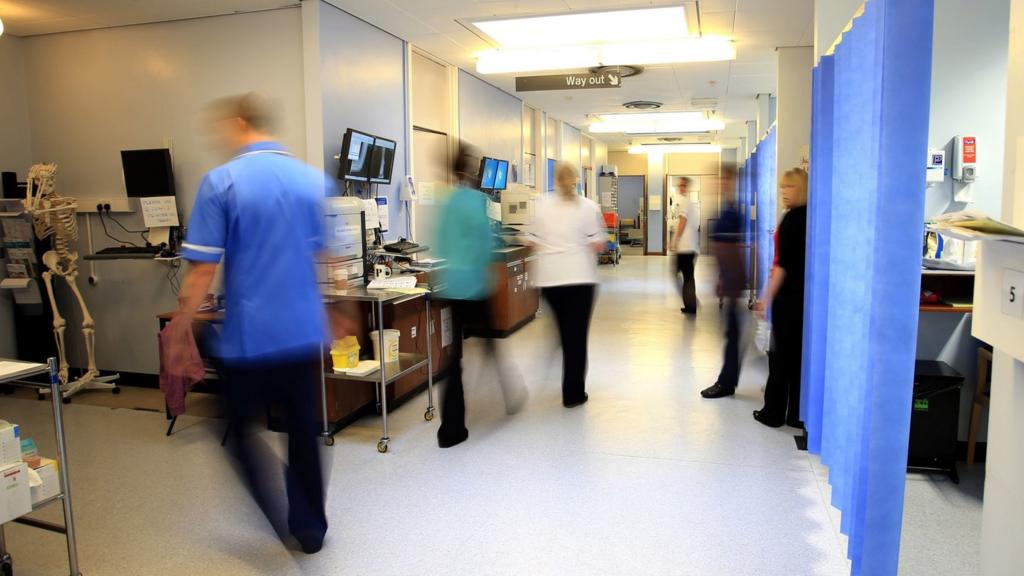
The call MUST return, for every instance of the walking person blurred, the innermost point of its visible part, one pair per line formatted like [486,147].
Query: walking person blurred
[465,242]
[727,244]
[784,296]
[261,212]
[569,232]
[685,243]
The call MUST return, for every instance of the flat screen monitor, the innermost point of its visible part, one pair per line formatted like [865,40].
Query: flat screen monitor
[147,173]
[355,156]
[488,171]
[501,175]
[382,161]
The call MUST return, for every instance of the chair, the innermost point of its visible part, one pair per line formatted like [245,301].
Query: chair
[982,389]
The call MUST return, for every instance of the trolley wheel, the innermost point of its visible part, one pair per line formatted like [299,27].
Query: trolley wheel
[428,415]
[382,446]
[328,440]
[40,396]
[6,565]
[115,390]
[67,400]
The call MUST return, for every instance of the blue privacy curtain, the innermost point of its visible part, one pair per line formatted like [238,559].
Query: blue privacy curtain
[866,210]
[766,191]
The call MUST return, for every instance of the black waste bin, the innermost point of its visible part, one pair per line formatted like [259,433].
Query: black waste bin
[935,418]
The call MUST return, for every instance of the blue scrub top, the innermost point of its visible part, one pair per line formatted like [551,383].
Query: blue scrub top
[263,213]
[465,242]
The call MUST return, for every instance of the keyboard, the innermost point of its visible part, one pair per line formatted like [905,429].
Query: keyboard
[402,245]
[122,252]
[400,282]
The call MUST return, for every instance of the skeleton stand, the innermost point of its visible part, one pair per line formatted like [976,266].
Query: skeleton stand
[54,216]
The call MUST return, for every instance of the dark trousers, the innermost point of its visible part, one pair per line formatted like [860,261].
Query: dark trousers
[292,386]
[729,377]
[453,404]
[782,391]
[572,306]
[688,286]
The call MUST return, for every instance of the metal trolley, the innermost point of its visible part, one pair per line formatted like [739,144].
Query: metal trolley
[388,373]
[68,528]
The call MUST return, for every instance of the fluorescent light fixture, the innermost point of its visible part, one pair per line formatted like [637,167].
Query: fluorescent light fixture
[655,123]
[675,149]
[642,24]
[537,59]
[1,27]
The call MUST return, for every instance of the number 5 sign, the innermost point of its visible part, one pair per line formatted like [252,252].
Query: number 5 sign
[1013,293]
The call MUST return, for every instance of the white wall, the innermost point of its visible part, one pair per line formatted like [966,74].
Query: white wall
[571,145]
[969,81]
[97,92]
[656,218]
[491,120]
[15,155]
[969,71]
[830,18]
[794,108]
[362,78]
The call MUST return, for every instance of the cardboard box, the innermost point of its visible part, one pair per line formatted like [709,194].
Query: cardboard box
[15,496]
[48,484]
[10,443]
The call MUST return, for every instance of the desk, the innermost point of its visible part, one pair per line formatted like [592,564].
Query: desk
[64,496]
[403,376]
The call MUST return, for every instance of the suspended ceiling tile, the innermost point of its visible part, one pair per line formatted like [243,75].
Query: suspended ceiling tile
[717,23]
[717,5]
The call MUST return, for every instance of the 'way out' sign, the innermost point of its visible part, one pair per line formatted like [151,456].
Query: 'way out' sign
[568,82]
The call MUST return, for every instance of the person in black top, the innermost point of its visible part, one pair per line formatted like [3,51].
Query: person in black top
[727,243]
[785,298]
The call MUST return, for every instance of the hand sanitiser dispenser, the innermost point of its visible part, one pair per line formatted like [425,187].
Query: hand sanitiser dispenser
[965,158]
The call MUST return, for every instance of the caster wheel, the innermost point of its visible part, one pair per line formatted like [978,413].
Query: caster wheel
[328,440]
[67,400]
[116,391]
[382,447]
[40,396]
[428,415]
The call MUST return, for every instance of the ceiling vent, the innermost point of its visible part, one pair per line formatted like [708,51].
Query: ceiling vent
[642,105]
[704,103]
[670,139]
[624,71]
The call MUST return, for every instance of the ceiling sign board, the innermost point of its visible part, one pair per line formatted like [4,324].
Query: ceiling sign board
[568,82]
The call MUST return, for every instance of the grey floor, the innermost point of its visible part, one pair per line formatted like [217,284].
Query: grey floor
[645,478]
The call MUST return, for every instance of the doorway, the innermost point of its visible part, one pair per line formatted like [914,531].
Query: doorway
[632,233]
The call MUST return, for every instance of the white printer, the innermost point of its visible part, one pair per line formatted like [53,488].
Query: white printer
[345,242]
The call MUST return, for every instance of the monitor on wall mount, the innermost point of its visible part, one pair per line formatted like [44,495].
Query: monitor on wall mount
[356,149]
[147,173]
[501,175]
[382,161]
[488,172]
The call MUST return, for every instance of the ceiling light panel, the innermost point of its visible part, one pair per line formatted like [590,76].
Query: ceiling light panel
[587,28]
[539,59]
[675,149]
[657,123]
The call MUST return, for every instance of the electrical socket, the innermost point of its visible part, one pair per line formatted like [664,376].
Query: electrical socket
[89,205]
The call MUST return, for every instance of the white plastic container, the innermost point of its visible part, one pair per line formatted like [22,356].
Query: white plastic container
[390,345]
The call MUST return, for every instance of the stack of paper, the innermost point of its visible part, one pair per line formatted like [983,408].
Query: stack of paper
[974,225]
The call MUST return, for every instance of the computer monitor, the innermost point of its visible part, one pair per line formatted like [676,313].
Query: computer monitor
[356,149]
[382,160]
[488,170]
[147,173]
[501,175]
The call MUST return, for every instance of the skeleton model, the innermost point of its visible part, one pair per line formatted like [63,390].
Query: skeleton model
[54,216]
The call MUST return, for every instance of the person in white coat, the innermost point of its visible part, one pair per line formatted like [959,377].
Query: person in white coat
[568,232]
[685,243]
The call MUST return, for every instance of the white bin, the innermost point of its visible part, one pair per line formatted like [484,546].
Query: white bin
[390,345]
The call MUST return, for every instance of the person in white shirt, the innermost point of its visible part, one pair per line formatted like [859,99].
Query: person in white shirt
[568,232]
[685,242]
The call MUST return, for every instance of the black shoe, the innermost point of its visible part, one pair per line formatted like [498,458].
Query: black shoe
[310,542]
[760,416]
[578,402]
[690,311]
[717,391]
[795,424]
[447,439]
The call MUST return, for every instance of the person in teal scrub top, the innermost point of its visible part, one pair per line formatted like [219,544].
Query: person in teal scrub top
[465,241]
